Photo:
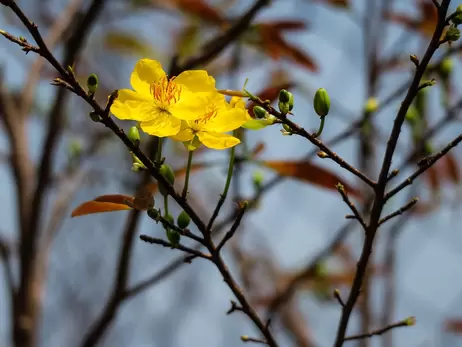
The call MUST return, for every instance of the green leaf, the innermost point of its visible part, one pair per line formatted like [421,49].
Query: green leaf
[257,124]
[128,44]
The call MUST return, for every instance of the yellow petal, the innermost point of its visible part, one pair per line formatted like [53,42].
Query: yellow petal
[217,140]
[146,72]
[185,134]
[163,125]
[196,81]
[237,102]
[191,105]
[227,120]
[131,105]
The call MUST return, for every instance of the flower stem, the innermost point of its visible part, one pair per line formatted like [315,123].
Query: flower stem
[225,191]
[165,205]
[321,127]
[186,180]
[159,150]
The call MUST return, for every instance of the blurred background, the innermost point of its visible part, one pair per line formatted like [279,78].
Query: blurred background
[93,282]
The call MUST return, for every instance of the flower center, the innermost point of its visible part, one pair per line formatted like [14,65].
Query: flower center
[210,114]
[166,92]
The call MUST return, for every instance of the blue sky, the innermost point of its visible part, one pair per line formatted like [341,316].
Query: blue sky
[296,220]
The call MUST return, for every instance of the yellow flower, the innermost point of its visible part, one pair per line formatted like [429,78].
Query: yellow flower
[218,118]
[160,103]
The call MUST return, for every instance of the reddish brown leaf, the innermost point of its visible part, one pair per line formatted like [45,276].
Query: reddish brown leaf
[452,170]
[200,9]
[433,178]
[257,150]
[91,207]
[115,198]
[453,325]
[275,46]
[426,22]
[308,172]
[335,3]
[287,25]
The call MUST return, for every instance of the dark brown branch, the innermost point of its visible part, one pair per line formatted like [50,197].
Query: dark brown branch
[424,164]
[399,212]
[163,243]
[379,201]
[404,323]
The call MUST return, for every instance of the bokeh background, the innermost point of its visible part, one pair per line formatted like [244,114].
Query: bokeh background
[329,44]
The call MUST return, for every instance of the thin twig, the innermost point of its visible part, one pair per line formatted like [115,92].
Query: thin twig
[404,323]
[338,297]
[400,211]
[351,205]
[234,227]
[157,241]
[424,164]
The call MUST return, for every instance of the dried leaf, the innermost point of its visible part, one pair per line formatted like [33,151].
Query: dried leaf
[424,24]
[104,203]
[128,43]
[336,3]
[453,325]
[257,150]
[288,25]
[433,178]
[451,168]
[200,9]
[308,172]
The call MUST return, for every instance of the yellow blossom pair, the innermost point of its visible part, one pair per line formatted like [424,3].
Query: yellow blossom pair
[186,108]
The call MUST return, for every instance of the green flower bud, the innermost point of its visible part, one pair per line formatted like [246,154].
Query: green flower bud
[321,102]
[410,321]
[74,149]
[183,220]
[320,270]
[258,179]
[259,112]
[166,171]
[154,214]
[322,155]
[245,338]
[169,218]
[458,18]
[446,67]
[371,105]
[428,148]
[284,107]
[412,115]
[173,236]
[134,135]
[284,95]
[287,130]
[452,34]
[95,117]
[291,101]
[92,83]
